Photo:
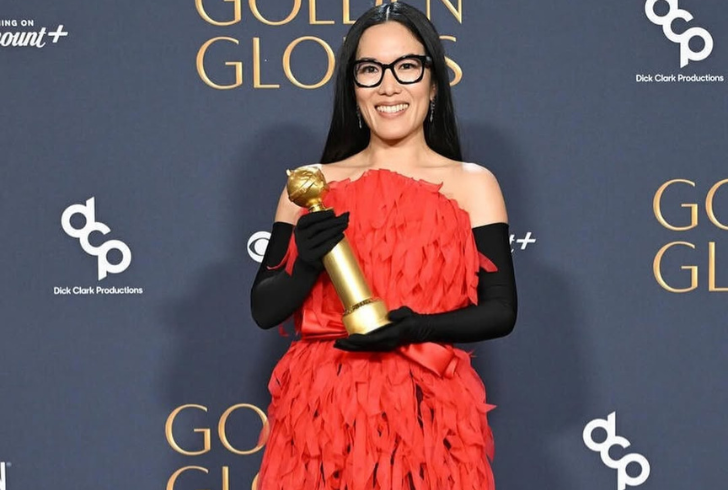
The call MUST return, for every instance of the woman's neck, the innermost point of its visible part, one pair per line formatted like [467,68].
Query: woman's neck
[403,154]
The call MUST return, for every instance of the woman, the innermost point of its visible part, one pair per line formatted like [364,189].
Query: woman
[398,408]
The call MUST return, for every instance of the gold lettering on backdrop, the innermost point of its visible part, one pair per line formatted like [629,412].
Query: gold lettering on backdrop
[170,435]
[312,15]
[221,429]
[709,205]
[256,13]
[657,208]
[225,476]
[256,67]
[237,13]
[656,269]
[452,65]
[457,13]
[287,62]
[173,479]
[315,17]
[711,271]
[346,14]
[201,65]
[222,433]
[693,207]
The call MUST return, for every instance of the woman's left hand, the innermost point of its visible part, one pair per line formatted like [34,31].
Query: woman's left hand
[402,331]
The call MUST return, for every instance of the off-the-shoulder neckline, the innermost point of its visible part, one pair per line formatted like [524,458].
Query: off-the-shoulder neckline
[349,180]
[426,183]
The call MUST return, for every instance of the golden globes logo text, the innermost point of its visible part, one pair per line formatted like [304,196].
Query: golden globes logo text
[225,63]
[692,218]
[205,441]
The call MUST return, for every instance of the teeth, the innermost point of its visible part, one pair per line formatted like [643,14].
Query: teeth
[390,109]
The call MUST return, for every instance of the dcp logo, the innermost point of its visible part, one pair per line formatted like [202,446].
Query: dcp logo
[88,211]
[257,244]
[609,425]
[686,54]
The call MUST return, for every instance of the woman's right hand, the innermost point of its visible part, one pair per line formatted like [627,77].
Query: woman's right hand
[317,233]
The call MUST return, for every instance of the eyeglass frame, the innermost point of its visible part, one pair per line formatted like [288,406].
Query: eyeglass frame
[426,61]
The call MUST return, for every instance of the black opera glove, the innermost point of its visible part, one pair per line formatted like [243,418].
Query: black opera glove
[275,294]
[494,316]
[317,233]
[406,328]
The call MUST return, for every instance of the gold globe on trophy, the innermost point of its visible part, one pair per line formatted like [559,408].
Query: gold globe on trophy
[362,312]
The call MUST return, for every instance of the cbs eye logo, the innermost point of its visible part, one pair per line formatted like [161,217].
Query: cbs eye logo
[101,252]
[257,244]
[686,54]
[610,427]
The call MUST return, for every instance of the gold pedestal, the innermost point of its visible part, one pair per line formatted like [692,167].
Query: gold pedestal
[362,312]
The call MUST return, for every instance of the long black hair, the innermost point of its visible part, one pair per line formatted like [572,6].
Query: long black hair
[345,137]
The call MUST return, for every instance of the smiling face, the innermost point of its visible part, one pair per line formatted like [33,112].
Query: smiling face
[393,111]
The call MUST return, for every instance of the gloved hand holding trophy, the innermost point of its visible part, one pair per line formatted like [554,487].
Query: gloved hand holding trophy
[362,312]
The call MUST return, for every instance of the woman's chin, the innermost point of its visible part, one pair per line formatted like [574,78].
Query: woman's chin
[393,138]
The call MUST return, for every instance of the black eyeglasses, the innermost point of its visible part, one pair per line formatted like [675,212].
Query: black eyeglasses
[406,69]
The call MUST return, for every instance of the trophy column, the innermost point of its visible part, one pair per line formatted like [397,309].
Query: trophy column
[362,312]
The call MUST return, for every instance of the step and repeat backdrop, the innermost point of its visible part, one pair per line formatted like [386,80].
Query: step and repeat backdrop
[143,147]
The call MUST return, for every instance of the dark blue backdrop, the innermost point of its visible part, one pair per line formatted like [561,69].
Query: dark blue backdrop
[187,175]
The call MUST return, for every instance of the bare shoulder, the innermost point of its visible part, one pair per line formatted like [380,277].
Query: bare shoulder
[289,212]
[338,170]
[286,212]
[480,195]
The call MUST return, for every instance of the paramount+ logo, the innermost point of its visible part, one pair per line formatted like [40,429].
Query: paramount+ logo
[667,20]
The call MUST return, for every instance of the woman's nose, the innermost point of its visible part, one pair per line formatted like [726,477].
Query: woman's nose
[389,84]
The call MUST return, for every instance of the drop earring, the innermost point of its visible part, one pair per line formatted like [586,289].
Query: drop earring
[358,116]
[432,109]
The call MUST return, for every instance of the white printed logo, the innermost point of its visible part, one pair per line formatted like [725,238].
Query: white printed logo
[609,425]
[686,54]
[2,476]
[88,211]
[34,38]
[257,244]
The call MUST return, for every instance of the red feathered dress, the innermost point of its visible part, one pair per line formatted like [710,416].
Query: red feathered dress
[410,419]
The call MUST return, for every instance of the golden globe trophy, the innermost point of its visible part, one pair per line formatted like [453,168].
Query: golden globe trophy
[362,312]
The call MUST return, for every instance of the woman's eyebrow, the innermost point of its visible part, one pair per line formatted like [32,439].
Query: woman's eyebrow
[399,57]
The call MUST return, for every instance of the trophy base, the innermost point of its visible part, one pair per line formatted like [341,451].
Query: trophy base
[366,317]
